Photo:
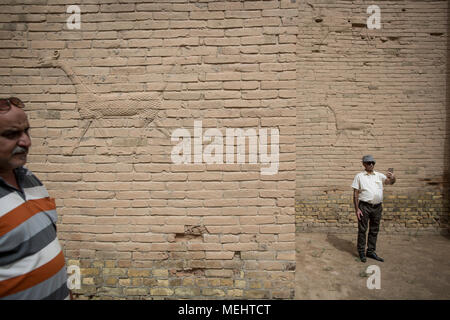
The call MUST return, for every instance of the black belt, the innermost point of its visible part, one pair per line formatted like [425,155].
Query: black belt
[370,204]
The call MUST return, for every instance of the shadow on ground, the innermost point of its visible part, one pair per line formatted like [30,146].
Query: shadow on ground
[415,267]
[341,244]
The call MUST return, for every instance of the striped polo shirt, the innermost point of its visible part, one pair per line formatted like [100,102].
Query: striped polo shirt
[32,264]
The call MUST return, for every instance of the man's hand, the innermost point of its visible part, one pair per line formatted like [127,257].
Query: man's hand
[390,178]
[359,213]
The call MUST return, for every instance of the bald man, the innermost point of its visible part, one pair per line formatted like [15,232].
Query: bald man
[32,264]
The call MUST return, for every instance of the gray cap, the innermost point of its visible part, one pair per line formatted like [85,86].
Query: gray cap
[368,158]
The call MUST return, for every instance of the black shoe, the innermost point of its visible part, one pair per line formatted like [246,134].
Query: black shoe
[373,255]
[362,257]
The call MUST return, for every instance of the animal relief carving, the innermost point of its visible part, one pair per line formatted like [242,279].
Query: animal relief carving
[94,106]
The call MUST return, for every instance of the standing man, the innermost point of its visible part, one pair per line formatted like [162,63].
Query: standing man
[367,198]
[32,264]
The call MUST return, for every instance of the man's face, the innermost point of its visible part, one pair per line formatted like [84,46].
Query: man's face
[369,166]
[14,139]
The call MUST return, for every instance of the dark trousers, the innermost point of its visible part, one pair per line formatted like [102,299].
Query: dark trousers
[371,218]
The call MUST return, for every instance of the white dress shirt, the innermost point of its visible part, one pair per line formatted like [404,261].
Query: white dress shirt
[370,186]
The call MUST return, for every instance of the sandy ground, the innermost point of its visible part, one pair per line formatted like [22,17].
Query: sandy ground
[415,267]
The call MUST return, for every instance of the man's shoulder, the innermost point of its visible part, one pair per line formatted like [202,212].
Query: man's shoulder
[357,180]
[359,174]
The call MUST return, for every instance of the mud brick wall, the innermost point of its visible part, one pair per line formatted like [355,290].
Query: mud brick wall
[138,225]
[142,227]
[381,92]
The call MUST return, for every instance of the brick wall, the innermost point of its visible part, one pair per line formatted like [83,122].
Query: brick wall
[138,225]
[447,126]
[379,92]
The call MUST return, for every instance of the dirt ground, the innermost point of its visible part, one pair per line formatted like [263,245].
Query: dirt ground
[415,267]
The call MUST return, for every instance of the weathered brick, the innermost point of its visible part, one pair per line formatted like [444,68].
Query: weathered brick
[137,291]
[161,292]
